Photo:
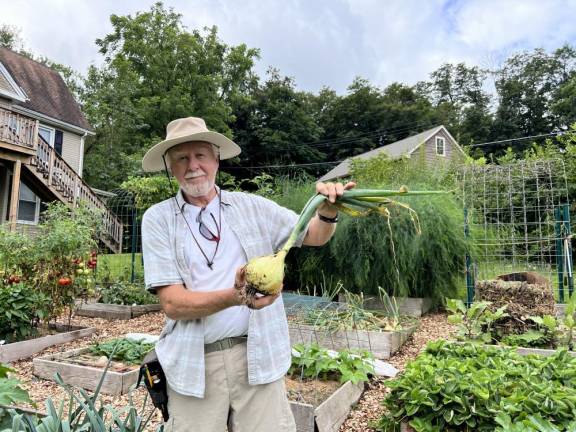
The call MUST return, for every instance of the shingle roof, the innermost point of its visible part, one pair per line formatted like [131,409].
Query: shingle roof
[394,150]
[45,89]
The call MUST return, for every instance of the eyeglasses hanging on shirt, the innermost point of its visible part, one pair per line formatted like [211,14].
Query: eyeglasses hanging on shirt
[206,232]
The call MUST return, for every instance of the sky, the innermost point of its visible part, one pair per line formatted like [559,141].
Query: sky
[319,42]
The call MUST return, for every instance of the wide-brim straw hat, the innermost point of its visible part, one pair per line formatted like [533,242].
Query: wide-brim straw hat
[184,130]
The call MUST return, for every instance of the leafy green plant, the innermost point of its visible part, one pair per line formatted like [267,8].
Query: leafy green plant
[531,338]
[127,351]
[125,293]
[475,322]
[58,262]
[313,362]
[10,389]
[84,413]
[467,387]
[23,308]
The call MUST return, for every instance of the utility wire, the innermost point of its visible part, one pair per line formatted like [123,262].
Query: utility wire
[338,162]
[283,166]
[516,139]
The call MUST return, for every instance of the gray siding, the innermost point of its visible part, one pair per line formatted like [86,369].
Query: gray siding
[427,151]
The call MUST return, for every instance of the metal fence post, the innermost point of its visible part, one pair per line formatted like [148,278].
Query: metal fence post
[469,275]
[567,232]
[559,252]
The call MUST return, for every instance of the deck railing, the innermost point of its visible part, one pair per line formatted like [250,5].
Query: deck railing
[62,178]
[18,129]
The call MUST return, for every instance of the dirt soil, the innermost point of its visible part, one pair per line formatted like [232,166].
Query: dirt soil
[368,409]
[310,392]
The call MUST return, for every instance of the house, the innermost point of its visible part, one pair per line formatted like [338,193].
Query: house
[42,135]
[434,146]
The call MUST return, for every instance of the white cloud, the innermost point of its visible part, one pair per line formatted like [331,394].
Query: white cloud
[321,42]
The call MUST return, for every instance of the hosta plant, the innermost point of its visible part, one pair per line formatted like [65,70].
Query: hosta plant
[313,362]
[467,387]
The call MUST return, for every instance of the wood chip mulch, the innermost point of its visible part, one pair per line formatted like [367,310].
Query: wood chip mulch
[368,410]
[40,390]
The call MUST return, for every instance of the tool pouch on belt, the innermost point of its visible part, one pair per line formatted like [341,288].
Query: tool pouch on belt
[153,376]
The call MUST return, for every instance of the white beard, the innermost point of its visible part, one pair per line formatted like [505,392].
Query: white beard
[198,189]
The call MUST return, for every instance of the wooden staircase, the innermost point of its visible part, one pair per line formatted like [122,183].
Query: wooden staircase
[55,174]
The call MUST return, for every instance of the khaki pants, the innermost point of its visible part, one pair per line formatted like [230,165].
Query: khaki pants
[229,397]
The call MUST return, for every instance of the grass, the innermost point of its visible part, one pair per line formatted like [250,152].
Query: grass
[118,267]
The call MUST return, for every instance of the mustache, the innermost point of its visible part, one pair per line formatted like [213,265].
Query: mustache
[194,174]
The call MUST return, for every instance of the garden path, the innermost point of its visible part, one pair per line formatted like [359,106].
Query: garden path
[369,408]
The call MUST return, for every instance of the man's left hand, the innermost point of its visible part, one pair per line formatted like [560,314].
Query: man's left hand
[332,191]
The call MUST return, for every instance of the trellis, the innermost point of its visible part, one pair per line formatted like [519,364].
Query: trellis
[126,265]
[518,220]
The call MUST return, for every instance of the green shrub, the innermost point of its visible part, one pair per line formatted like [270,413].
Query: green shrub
[125,350]
[23,309]
[369,252]
[53,262]
[313,362]
[466,387]
[125,293]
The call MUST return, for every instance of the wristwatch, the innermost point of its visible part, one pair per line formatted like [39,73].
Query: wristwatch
[327,219]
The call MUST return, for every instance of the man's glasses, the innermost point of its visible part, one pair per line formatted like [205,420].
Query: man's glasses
[204,230]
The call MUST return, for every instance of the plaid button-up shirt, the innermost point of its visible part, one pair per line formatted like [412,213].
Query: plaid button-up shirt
[262,227]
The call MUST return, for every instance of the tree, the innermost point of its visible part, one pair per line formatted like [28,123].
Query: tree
[155,71]
[460,101]
[10,38]
[278,124]
[528,86]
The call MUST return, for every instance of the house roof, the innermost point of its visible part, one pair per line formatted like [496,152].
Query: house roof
[394,150]
[46,91]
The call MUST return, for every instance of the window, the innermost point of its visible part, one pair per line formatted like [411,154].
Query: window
[440,144]
[53,137]
[47,135]
[28,205]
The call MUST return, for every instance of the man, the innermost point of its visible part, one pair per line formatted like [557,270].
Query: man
[224,353]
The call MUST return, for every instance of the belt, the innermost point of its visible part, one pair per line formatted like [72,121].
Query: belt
[224,344]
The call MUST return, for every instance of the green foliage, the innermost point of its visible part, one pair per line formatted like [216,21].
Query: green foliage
[153,71]
[83,413]
[23,309]
[373,251]
[64,240]
[125,350]
[351,315]
[125,293]
[528,85]
[475,322]
[10,390]
[150,190]
[466,387]
[313,362]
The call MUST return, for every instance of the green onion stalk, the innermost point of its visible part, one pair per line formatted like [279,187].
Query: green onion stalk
[265,274]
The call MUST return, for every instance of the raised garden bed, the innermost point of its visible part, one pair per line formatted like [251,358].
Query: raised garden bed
[414,307]
[380,343]
[23,349]
[326,415]
[114,311]
[527,351]
[78,367]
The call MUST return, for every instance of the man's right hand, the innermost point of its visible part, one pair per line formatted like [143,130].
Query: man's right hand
[253,301]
